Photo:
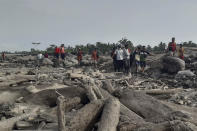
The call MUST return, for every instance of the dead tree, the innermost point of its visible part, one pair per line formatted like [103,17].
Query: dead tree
[110,116]
[85,117]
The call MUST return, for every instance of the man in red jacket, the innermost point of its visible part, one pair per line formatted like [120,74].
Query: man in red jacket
[172,47]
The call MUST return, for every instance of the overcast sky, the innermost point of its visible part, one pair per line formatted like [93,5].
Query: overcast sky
[87,21]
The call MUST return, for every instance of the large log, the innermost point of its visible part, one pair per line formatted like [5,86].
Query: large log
[7,125]
[108,86]
[144,105]
[110,116]
[60,113]
[85,117]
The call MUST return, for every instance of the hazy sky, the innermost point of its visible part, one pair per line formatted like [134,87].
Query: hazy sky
[87,21]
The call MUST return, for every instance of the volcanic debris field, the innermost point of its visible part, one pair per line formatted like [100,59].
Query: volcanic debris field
[68,97]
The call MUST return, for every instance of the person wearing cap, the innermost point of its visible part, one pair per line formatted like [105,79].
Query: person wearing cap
[126,57]
[79,56]
[119,58]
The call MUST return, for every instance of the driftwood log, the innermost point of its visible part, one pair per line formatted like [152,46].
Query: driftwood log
[110,115]
[85,118]
[7,125]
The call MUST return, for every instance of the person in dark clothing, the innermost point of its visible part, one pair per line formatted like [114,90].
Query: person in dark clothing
[136,56]
[143,55]
[113,55]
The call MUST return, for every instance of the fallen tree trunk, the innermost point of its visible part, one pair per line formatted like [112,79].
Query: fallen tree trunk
[60,113]
[85,117]
[110,116]
[162,92]
[144,105]
[7,125]
[108,86]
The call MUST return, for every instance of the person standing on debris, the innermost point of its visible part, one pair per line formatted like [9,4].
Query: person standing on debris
[136,55]
[95,57]
[126,57]
[79,56]
[181,52]
[39,59]
[46,55]
[3,56]
[143,55]
[119,58]
[172,47]
[57,52]
[62,52]
[113,55]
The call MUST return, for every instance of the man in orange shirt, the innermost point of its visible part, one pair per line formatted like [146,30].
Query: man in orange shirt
[95,57]
[62,52]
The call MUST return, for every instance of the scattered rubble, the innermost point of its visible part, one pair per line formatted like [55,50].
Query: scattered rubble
[70,97]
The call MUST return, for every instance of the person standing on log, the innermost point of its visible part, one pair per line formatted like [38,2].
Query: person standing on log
[113,55]
[181,52]
[62,52]
[119,58]
[143,55]
[126,57]
[95,57]
[172,47]
[79,56]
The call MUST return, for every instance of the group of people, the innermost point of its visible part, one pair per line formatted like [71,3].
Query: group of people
[60,52]
[95,56]
[172,49]
[124,58]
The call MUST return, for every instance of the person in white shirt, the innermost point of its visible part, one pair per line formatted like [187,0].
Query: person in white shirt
[126,57]
[119,58]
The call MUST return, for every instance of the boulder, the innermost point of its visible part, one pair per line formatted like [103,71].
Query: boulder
[185,73]
[172,64]
[47,61]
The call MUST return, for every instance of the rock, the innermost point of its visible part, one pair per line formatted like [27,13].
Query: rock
[194,64]
[47,61]
[23,125]
[172,64]
[185,73]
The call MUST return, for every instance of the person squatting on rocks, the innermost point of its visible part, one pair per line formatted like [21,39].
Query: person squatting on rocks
[126,57]
[113,55]
[95,57]
[62,52]
[3,56]
[119,58]
[172,47]
[143,55]
[79,56]
[181,52]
